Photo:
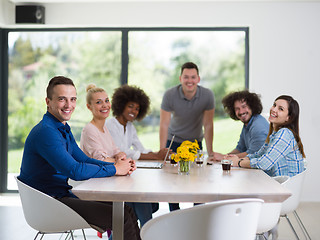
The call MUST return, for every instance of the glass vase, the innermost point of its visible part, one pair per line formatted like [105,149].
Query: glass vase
[183,167]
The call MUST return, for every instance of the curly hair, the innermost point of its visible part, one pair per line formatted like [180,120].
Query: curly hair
[125,94]
[252,100]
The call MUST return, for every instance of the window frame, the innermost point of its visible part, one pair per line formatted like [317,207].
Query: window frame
[4,66]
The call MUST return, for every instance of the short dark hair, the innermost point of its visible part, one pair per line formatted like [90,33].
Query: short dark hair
[125,94]
[189,65]
[252,100]
[57,80]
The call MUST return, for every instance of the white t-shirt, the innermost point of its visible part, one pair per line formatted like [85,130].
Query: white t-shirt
[127,141]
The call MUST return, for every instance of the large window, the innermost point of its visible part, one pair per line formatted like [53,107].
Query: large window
[155,63]
[149,58]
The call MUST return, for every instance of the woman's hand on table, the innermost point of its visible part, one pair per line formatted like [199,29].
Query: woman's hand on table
[162,153]
[235,159]
[120,156]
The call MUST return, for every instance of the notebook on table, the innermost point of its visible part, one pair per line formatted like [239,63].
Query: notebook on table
[153,164]
[148,164]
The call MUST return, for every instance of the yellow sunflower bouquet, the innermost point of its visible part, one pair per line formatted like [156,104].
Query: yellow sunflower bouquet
[186,153]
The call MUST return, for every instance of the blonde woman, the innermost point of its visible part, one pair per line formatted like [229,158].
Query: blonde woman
[96,141]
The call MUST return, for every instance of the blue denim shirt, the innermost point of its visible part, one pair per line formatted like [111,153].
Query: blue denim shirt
[253,135]
[51,156]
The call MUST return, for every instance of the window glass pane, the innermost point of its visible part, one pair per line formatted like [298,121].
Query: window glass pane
[155,61]
[35,57]
[95,57]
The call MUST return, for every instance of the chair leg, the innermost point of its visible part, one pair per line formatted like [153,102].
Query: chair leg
[84,235]
[68,236]
[303,228]
[36,236]
[71,232]
[295,233]
[258,236]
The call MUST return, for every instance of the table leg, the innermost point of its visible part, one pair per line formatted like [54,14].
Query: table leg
[117,220]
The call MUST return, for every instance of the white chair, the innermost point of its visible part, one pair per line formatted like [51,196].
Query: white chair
[294,184]
[221,220]
[48,215]
[269,215]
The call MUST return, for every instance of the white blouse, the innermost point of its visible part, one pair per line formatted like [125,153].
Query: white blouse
[127,141]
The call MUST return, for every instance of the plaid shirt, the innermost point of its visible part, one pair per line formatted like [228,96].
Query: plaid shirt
[279,157]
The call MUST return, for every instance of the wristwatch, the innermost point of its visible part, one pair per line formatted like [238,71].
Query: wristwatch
[240,160]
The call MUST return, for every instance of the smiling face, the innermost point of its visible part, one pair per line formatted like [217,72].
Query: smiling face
[279,113]
[189,80]
[130,112]
[242,111]
[99,105]
[63,102]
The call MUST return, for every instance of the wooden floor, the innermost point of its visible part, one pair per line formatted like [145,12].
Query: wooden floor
[14,227]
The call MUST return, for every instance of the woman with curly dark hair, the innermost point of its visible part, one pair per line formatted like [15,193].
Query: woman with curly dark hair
[130,103]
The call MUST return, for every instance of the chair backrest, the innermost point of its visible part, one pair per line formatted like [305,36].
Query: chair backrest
[294,184]
[47,214]
[227,220]
[270,212]
[269,216]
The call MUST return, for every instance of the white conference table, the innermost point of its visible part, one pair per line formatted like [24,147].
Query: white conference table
[205,184]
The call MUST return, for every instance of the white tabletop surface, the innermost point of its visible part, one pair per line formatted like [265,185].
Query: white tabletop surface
[205,184]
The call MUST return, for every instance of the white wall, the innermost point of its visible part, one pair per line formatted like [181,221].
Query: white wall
[284,47]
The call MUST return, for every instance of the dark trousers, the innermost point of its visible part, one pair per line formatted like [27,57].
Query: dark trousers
[99,216]
[174,146]
[143,210]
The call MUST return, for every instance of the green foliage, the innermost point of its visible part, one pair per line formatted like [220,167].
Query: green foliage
[182,54]
[83,58]
[95,57]
[23,53]
[15,158]
[226,135]
[21,122]
[230,77]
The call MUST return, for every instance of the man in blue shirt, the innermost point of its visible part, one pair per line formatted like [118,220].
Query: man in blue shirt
[51,156]
[246,107]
